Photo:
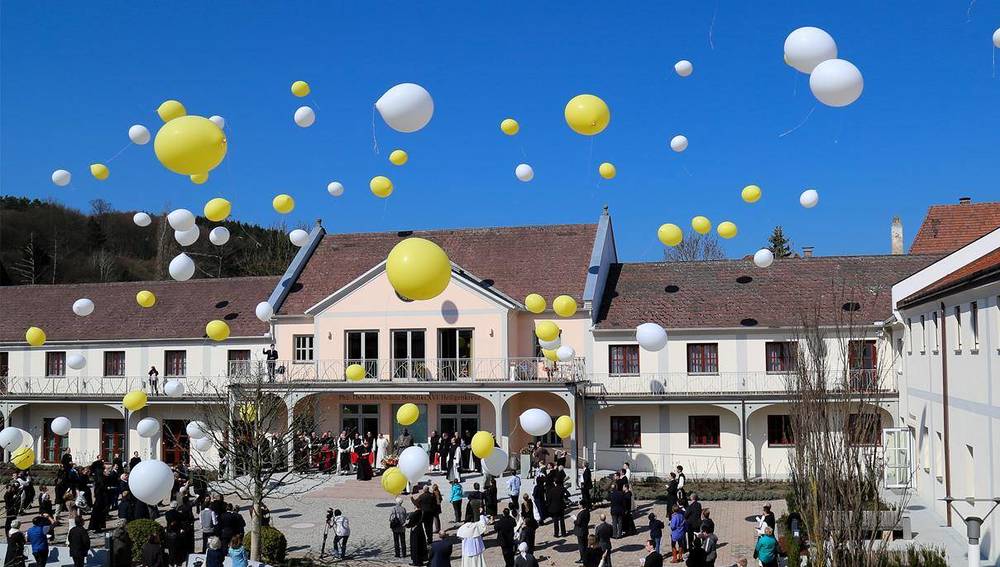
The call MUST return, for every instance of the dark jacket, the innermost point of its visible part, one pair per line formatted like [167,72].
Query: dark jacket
[654,559]
[655,528]
[79,541]
[504,527]
[215,557]
[554,499]
[529,561]
[153,556]
[581,526]
[440,554]
[604,531]
[617,500]
[693,516]
[15,551]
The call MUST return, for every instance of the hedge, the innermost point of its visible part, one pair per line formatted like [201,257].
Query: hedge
[139,531]
[654,488]
[273,545]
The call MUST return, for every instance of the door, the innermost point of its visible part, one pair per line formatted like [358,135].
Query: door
[458,418]
[112,438]
[359,417]
[896,454]
[175,446]
[408,354]
[362,348]
[454,353]
[862,362]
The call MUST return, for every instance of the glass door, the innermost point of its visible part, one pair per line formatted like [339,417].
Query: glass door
[454,354]
[459,418]
[896,453]
[362,418]
[362,348]
[408,354]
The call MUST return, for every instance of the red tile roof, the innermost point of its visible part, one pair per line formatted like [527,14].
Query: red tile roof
[182,309]
[792,290]
[550,260]
[985,266]
[947,228]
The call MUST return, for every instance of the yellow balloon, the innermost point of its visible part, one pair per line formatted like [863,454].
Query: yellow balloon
[217,209]
[546,330]
[418,269]
[726,229]
[171,109]
[550,354]
[23,458]
[190,145]
[355,373]
[534,303]
[99,171]
[381,186]
[145,298]
[135,400]
[35,336]
[283,203]
[587,114]
[751,193]
[564,306]
[248,412]
[670,234]
[564,426]
[300,88]
[407,414]
[393,481]
[510,126]
[217,330]
[398,157]
[607,170]
[701,225]
[199,178]
[482,444]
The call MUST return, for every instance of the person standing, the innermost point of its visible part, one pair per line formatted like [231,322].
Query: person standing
[655,530]
[581,529]
[556,508]
[440,553]
[586,486]
[678,531]
[426,503]
[766,550]
[341,531]
[237,553]
[616,499]
[710,545]
[121,548]
[344,450]
[438,499]
[134,461]
[490,497]
[707,523]
[504,527]
[456,499]
[418,538]
[271,355]
[152,553]
[397,525]
[473,547]
[38,537]
[681,494]
[79,542]
[208,521]
[405,440]
[653,557]
[381,447]
[154,381]
[215,556]
[603,531]
[593,554]
[15,546]
[671,493]
[692,516]
[528,523]
[12,503]
[514,487]
[433,443]
[524,557]
[364,461]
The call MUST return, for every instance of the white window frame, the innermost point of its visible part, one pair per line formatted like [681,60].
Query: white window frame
[300,350]
[898,469]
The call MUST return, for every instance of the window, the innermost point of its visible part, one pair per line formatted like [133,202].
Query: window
[864,429]
[781,357]
[238,362]
[175,446]
[4,371]
[362,348]
[958,327]
[362,418]
[454,353]
[408,353]
[626,431]
[703,431]
[974,321]
[909,335]
[861,363]
[923,334]
[114,363]
[456,418]
[703,358]
[934,331]
[623,359]
[779,431]
[302,348]
[112,438]
[55,364]
[52,444]
[175,363]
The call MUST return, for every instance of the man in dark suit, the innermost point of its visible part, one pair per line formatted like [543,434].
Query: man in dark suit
[557,508]
[586,486]
[427,504]
[692,514]
[603,531]
[653,559]
[440,553]
[617,505]
[504,527]
[581,528]
[79,542]
[524,557]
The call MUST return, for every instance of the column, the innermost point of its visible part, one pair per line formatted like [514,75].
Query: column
[571,402]
[290,435]
[497,399]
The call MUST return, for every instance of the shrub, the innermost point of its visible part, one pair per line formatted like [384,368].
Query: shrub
[273,545]
[139,531]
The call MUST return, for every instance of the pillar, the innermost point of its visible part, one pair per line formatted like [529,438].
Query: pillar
[571,402]
[290,435]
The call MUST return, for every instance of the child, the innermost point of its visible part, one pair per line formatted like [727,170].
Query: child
[655,531]
[237,553]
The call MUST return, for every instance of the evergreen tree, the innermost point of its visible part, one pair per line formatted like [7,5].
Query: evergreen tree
[778,244]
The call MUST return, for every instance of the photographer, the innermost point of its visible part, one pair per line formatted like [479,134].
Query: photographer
[341,531]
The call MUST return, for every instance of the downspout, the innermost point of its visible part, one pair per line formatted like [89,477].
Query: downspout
[944,405]
[743,437]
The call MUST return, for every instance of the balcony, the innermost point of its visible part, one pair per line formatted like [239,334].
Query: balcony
[102,386]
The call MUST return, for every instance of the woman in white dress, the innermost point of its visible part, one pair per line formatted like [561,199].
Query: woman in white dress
[473,547]
[381,444]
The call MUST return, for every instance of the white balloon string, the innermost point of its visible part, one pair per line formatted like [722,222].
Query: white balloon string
[801,124]
[120,152]
[711,27]
[994,63]
[374,140]
[968,13]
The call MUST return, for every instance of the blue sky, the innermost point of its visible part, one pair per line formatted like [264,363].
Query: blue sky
[76,75]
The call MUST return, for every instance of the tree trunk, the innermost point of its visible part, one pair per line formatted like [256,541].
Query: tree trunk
[255,523]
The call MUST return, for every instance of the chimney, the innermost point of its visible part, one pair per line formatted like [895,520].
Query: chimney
[807,251]
[964,200]
[897,236]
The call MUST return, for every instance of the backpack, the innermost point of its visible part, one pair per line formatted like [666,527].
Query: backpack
[394,522]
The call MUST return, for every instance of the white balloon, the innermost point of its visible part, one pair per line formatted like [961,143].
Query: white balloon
[83,307]
[187,237]
[305,117]
[264,311]
[524,172]
[26,440]
[807,47]
[196,430]
[218,121]
[996,38]
[181,219]
[142,219]
[763,258]
[151,481]
[406,107]
[147,427]
[203,444]
[550,345]
[139,134]
[679,143]
[651,336]
[683,68]
[11,438]
[496,462]
[181,267]
[76,361]
[565,353]
[535,422]
[299,237]
[836,82]
[335,188]
[174,388]
[61,177]
[809,198]
[61,426]
[413,463]
[219,235]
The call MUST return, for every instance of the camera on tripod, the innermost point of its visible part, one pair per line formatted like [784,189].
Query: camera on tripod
[329,516]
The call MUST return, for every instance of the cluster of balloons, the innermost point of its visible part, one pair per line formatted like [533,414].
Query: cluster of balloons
[304,116]
[537,422]
[418,269]
[19,443]
[834,82]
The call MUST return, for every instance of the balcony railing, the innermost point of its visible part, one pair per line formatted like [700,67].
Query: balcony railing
[56,386]
[727,383]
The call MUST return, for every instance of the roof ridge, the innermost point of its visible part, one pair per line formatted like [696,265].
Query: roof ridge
[464,229]
[134,282]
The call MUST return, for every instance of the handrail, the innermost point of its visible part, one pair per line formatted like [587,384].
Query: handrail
[684,384]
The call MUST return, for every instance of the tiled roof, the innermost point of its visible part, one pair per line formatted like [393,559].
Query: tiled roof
[735,293]
[551,260]
[182,309]
[947,228]
[984,266]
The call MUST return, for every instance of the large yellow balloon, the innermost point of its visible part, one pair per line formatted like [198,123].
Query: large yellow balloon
[398,157]
[145,298]
[564,426]
[190,145]
[510,126]
[199,178]
[607,170]
[727,229]
[355,373]
[407,414]
[217,330]
[418,269]
[283,203]
[546,330]
[564,306]
[300,88]
[550,354]
[482,444]
[171,109]
[135,400]
[701,225]
[587,114]
[23,458]
[670,234]
[35,336]
[534,303]
[380,186]
[751,193]
[217,209]
[393,481]
[248,412]
[99,171]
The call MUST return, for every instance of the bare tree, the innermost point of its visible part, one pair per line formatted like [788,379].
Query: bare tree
[695,247]
[104,262]
[26,268]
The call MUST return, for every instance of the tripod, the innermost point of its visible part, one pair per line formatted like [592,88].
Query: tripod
[326,532]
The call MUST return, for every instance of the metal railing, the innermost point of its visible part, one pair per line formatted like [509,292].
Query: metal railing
[55,386]
[668,384]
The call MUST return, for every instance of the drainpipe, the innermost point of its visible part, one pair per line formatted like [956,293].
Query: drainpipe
[743,437]
[944,405]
